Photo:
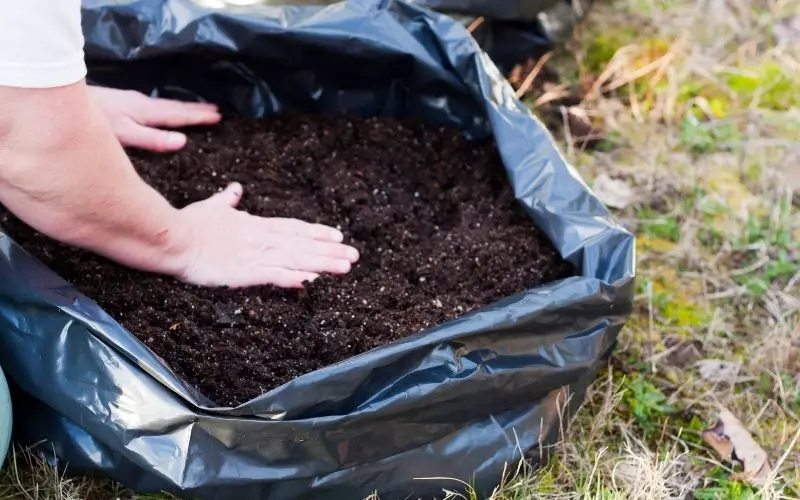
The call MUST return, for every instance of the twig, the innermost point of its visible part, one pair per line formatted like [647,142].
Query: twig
[636,110]
[570,140]
[527,83]
[635,75]
[661,439]
[474,24]
[662,69]
[774,474]
[763,261]
[607,73]
[555,94]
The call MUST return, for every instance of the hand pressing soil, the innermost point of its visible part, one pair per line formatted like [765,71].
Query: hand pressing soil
[432,215]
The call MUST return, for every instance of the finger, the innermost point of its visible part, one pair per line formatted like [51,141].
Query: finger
[132,134]
[159,112]
[302,228]
[283,278]
[301,245]
[229,197]
[308,262]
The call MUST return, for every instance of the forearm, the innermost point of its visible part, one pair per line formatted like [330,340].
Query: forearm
[63,172]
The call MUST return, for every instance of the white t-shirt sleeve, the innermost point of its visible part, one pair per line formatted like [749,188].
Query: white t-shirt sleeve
[41,43]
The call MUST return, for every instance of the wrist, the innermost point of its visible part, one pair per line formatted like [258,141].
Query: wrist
[175,244]
[163,248]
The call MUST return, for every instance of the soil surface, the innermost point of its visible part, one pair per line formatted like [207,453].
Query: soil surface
[431,214]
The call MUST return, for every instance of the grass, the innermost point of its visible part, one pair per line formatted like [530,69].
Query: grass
[700,119]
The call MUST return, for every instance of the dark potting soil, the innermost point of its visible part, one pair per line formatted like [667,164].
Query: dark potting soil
[432,215]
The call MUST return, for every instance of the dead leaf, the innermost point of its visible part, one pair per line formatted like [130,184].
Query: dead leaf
[733,443]
[583,130]
[717,370]
[615,193]
[683,353]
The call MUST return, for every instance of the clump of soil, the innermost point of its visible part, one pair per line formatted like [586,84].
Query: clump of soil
[432,215]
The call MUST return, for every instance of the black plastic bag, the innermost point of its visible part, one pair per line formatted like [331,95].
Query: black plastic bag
[515,41]
[508,44]
[458,401]
[510,31]
[501,10]
[506,10]
[513,31]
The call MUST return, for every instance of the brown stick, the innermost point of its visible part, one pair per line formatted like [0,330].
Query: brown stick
[527,83]
[474,24]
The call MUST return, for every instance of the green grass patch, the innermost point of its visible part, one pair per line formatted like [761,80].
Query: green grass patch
[723,488]
[657,225]
[708,137]
[647,404]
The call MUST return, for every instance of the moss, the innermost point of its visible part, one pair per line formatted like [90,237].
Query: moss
[700,138]
[753,173]
[690,428]
[602,48]
[678,301]
[646,243]
[768,84]
[651,49]
[728,186]
[686,314]
[658,226]
[718,101]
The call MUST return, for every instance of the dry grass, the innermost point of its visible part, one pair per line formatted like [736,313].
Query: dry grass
[29,477]
[699,104]
[700,116]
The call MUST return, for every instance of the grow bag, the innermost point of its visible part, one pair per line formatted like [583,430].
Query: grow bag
[510,31]
[506,10]
[460,400]
[513,31]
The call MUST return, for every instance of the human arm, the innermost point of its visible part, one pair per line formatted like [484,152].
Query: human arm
[63,172]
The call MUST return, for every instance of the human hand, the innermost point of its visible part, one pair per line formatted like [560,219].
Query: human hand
[133,117]
[229,247]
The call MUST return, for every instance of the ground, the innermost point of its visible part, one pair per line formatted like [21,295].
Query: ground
[695,118]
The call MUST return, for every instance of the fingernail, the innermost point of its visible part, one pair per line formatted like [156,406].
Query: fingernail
[235,189]
[344,266]
[352,254]
[337,236]
[175,140]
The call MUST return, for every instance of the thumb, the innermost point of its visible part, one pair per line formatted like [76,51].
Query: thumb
[230,196]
